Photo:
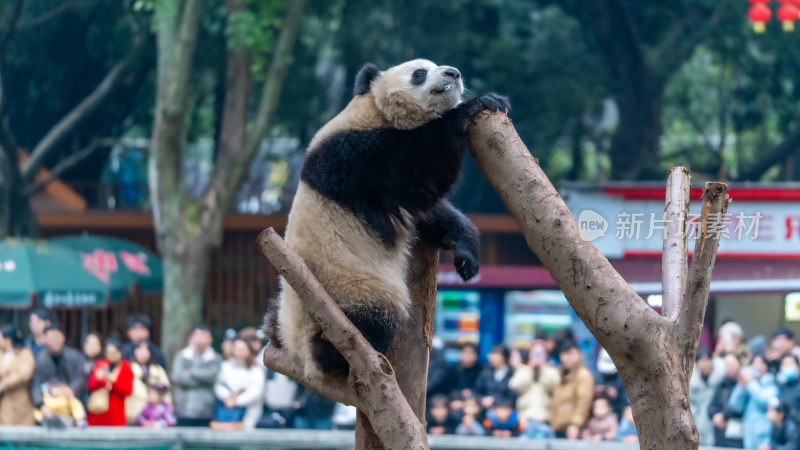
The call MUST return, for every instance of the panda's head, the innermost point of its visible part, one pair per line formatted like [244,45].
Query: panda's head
[411,93]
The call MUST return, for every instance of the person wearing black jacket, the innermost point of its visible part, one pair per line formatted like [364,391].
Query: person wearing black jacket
[139,326]
[438,417]
[57,362]
[492,383]
[312,411]
[463,375]
[788,378]
[728,428]
[609,385]
[785,433]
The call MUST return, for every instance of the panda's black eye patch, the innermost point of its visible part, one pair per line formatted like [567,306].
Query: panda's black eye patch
[419,76]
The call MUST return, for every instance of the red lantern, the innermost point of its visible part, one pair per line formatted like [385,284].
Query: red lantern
[787,14]
[759,14]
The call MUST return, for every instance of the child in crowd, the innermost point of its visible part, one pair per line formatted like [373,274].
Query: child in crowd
[456,406]
[603,425]
[785,434]
[627,429]
[158,413]
[67,410]
[439,419]
[502,420]
[471,419]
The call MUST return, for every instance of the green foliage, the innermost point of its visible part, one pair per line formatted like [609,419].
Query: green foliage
[734,101]
[254,30]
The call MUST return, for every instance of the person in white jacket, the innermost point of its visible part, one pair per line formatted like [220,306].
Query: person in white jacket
[240,383]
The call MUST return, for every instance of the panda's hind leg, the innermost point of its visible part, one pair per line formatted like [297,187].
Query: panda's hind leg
[377,325]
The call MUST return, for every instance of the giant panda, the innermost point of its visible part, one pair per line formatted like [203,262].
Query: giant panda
[374,180]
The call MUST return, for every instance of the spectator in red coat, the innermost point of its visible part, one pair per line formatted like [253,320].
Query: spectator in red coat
[114,375]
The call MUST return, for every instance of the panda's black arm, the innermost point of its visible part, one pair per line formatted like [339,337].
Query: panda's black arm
[446,227]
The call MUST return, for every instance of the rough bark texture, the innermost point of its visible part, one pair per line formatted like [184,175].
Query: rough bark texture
[183,292]
[645,346]
[371,385]
[713,210]
[178,232]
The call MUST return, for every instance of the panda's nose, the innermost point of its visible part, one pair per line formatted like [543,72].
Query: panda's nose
[453,73]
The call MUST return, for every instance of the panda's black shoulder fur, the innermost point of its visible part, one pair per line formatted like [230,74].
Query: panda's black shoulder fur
[375,174]
[364,78]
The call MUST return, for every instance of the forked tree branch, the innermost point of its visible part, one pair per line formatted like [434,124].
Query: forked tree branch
[371,385]
[675,253]
[646,347]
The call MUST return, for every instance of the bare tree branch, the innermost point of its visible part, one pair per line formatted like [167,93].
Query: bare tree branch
[68,163]
[757,169]
[684,36]
[372,385]
[335,389]
[52,14]
[592,286]
[83,110]
[675,253]
[690,322]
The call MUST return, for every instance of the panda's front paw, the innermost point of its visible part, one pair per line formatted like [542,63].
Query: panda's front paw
[466,265]
[494,102]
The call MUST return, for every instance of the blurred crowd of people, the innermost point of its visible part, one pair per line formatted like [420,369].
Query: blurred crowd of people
[545,392]
[44,381]
[744,394]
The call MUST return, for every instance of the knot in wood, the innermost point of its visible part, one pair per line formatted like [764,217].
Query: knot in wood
[497,143]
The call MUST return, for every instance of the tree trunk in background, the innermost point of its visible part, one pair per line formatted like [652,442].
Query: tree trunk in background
[174,213]
[188,229]
[636,142]
[411,348]
[184,286]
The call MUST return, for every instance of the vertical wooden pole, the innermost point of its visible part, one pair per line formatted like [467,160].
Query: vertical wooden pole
[411,348]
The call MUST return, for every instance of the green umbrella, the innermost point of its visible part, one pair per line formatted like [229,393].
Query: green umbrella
[54,274]
[119,258]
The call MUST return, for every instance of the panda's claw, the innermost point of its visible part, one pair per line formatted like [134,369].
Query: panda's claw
[489,102]
[466,266]
[495,102]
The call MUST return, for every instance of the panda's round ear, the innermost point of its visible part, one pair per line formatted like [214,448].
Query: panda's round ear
[365,77]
